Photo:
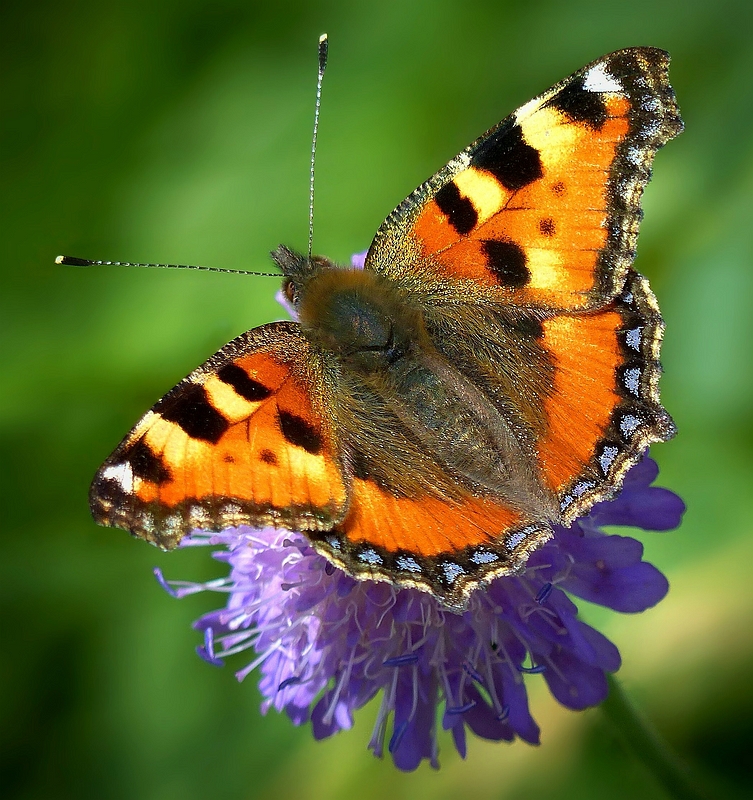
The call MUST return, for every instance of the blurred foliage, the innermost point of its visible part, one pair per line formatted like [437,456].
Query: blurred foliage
[179,131]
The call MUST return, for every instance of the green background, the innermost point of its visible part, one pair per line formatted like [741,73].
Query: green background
[180,131]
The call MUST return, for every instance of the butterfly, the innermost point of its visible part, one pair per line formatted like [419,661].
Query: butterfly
[492,370]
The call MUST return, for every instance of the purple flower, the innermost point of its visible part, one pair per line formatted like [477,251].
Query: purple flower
[326,644]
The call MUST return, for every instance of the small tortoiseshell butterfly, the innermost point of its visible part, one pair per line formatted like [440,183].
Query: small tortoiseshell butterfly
[492,370]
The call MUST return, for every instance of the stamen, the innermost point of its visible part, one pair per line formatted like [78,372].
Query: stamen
[399,661]
[544,592]
[414,706]
[288,682]
[342,682]
[376,743]
[472,673]
[504,714]
[197,539]
[206,651]
[184,588]
[460,709]
[532,670]
[163,583]
[488,696]
[299,544]
[209,641]
[397,736]
[241,674]
[232,645]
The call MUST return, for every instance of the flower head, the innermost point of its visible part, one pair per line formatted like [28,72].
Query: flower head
[327,644]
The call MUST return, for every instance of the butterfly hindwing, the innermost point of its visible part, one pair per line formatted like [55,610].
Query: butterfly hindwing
[580,388]
[543,210]
[604,410]
[444,546]
[242,440]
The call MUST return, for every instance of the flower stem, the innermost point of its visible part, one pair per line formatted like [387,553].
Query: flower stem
[642,739]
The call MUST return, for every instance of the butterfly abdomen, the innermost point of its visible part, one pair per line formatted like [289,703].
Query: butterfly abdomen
[464,431]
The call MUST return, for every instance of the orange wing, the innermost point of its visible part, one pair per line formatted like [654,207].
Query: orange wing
[242,440]
[543,210]
[443,546]
[604,410]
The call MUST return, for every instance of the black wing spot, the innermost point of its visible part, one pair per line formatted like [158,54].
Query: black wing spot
[509,157]
[299,432]
[146,464]
[246,387]
[268,457]
[460,211]
[580,105]
[193,412]
[507,261]
[547,226]
[558,188]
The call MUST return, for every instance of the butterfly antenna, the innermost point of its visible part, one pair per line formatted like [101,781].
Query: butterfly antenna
[323,49]
[72,261]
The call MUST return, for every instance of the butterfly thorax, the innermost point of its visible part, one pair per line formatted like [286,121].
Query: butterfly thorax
[362,318]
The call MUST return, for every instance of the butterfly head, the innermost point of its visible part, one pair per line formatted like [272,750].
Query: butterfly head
[298,270]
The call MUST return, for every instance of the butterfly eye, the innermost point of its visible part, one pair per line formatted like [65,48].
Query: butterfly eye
[290,290]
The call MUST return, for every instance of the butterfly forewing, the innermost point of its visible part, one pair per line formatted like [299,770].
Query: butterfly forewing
[242,440]
[543,210]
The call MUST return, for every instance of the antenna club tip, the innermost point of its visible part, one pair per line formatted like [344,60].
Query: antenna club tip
[323,50]
[72,261]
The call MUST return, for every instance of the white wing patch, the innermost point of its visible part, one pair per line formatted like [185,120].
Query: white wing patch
[122,474]
[599,80]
